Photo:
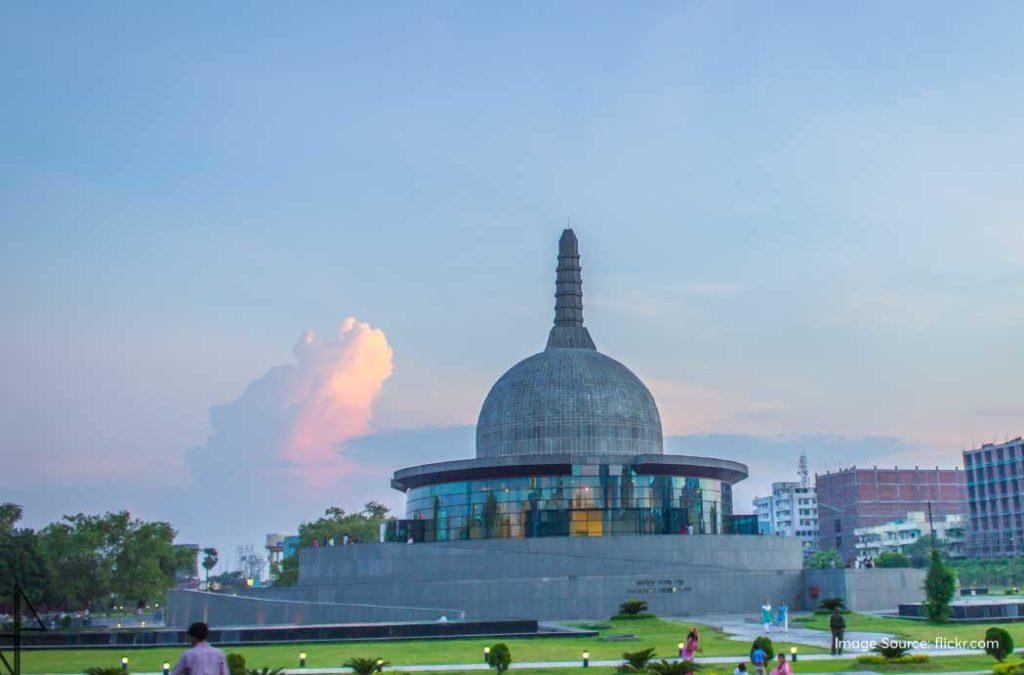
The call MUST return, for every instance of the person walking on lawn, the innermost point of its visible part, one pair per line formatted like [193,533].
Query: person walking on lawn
[837,625]
[691,645]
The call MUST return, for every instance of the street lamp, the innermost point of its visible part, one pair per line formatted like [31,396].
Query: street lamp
[586,659]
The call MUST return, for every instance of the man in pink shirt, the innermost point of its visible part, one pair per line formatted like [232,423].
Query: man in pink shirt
[202,659]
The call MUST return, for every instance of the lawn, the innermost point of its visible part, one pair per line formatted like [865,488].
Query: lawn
[912,630]
[660,634]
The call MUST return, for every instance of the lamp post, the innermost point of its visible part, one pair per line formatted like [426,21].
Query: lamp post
[586,659]
[487,654]
[302,659]
[124,663]
[792,653]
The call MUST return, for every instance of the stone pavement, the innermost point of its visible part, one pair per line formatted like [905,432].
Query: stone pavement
[743,628]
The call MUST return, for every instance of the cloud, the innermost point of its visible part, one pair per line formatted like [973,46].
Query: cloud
[277,453]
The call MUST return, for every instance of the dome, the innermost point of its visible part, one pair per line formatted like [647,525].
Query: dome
[570,398]
[568,401]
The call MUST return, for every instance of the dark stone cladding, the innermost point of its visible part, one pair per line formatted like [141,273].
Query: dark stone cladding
[561,465]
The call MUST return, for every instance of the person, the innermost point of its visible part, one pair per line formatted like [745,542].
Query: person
[782,667]
[766,616]
[759,657]
[201,659]
[837,625]
[784,616]
[690,646]
[741,669]
[346,540]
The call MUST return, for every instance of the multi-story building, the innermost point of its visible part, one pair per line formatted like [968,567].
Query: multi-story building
[898,535]
[995,481]
[790,511]
[855,497]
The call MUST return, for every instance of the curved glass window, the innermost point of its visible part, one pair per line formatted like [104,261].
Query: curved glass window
[596,500]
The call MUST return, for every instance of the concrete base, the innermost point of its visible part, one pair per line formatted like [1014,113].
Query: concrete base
[556,578]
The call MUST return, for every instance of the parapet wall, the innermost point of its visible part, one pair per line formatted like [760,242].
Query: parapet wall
[865,590]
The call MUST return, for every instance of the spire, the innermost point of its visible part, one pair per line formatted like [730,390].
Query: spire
[568,331]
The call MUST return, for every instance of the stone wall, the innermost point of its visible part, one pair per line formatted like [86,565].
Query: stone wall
[866,589]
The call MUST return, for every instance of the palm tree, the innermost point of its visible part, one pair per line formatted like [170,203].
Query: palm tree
[364,666]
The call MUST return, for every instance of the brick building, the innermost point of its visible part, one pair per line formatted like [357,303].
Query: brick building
[994,486]
[856,497]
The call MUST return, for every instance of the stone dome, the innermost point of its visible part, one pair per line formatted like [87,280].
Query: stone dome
[568,401]
[570,398]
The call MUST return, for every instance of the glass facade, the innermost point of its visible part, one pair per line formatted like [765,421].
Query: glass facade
[596,500]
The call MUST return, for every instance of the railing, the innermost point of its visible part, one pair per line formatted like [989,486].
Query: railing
[21,603]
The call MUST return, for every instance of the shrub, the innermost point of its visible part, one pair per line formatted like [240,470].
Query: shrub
[633,607]
[891,649]
[103,671]
[764,643]
[1007,669]
[500,657]
[681,667]
[998,643]
[236,664]
[266,671]
[363,666]
[637,661]
[879,660]
[892,559]
[833,603]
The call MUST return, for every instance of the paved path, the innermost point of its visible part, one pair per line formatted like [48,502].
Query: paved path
[742,628]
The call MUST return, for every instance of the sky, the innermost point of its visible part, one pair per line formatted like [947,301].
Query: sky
[255,257]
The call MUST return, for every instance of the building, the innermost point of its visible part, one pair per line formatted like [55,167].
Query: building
[994,486]
[790,511]
[855,498]
[897,536]
[568,444]
[569,507]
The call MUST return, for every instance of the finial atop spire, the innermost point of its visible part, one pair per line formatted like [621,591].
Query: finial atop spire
[568,331]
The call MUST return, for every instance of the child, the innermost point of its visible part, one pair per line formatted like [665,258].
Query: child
[741,669]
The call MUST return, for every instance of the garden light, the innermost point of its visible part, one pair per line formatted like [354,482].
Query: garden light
[302,659]
[586,659]
[380,665]
[487,654]
[792,653]
[167,668]
[680,650]
[124,663]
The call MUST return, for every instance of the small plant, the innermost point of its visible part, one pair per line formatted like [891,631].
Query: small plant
[833,603]
[891,649]
[764,643]
[500,658]
[636,662]
[236,664]
[266,671]
[103,671]
[1008,669]
[681,667]
[998,643]
[364,666]
[633,607]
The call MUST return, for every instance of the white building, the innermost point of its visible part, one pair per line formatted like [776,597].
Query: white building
[790,511]
[895,536]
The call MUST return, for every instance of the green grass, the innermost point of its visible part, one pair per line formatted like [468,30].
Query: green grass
[913,630]
[660,634]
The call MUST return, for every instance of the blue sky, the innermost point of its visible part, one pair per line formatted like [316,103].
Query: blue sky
[797,220]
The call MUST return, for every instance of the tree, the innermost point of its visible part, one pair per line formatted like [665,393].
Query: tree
[824,559]
[20,558]
[939,588]
[892,559]
[209,562]
[920,551]
[998,643]
[288,573]
[363,526]
[499,658]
